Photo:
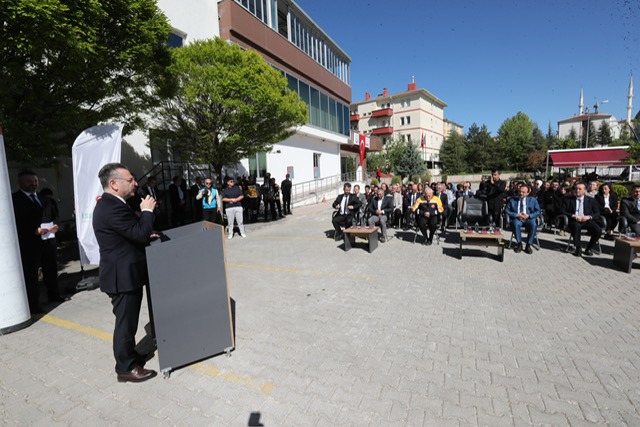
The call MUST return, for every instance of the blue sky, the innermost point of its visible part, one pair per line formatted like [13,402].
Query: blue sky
[490,59]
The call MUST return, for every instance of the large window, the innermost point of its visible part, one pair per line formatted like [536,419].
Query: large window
[258,165]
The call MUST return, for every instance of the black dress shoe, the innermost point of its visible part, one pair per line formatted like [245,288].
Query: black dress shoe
[59,299]
[527,250]
[518,248]
[137,375]
[578,252]
[429,242]
[588,252]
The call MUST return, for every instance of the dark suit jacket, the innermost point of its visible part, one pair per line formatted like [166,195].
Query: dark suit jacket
[629,210]
[387,205]
[513,207]
[406,200]
[353,201]
[590,208]
[28,219]
[613,202]
[122,237]
[495,193]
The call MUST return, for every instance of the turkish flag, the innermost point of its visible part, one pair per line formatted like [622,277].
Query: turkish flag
[362,140]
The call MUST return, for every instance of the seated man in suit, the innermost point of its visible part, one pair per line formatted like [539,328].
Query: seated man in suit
[428,208]
[630,209]
[523,211]
[347,205]
[582,211]
[381,208]
[409,200]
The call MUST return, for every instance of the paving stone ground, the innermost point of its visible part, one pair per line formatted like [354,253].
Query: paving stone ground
[409,335]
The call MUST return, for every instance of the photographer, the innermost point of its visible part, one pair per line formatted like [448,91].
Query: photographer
[211,203]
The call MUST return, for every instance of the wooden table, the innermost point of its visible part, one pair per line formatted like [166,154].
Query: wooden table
[369,233]
[483,238]
[624,252]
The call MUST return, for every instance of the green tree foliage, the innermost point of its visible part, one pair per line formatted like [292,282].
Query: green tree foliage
[453,154]
[573,135]
[516,141]
[604,134]
[410,162]
[538,139]
[590,138]
[566,144]
[479,142]
[387,159]
[68,65]
[229,104]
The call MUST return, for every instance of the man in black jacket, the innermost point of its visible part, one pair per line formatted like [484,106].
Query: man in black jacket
[122,237]
[285,187]
[346,205]
[583,212]
[495,189]
[630,209]
[381,208]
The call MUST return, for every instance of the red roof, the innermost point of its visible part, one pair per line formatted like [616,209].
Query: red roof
[589,157]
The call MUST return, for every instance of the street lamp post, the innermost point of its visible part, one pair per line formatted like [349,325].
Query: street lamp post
[595,107]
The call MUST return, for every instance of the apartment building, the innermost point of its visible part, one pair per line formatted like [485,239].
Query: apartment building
[414,115]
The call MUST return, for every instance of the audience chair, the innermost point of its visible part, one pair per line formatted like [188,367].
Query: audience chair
[539,227]
[563,221]
[474,210]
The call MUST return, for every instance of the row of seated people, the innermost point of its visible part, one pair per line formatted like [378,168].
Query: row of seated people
[382,208]
[577,211]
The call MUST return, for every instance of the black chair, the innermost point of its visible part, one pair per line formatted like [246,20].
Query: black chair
[562,221]
[623,227]
[474,210]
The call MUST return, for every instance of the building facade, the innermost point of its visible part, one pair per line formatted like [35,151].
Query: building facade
[316,68]
[415,115]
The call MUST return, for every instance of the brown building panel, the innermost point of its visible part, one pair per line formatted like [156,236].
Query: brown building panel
[241,27]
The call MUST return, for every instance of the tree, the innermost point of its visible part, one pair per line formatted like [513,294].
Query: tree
[453,154]
[537,160]
[411,162]
[69,65]
[573,135]
[478,139]
[516,140]
[604,134]
[537,139]
[589,139]
[229,104]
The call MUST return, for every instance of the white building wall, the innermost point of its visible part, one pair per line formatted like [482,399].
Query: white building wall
[194,19]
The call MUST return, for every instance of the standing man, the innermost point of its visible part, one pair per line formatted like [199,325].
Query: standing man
[232,197]
[122,237]
[208,198]
[346,205]
[583,211]
[523,210]
[285,187]
[495,196]
[28,209]
[178,201]
[197,205]
[49,258]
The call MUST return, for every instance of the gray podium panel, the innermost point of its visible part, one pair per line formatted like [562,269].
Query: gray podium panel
[190,295]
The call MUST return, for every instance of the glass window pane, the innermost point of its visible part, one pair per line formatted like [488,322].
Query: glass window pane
[340,113]
[333,119]
[262,163]
[293,83]
[315,107]
[345,129]
[324,106]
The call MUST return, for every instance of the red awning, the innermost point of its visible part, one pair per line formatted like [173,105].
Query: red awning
[589,157]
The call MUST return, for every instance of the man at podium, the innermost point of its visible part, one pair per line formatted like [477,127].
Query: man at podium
[122,237]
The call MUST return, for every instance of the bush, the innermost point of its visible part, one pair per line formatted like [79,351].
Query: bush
[426,177]
[374,181]
[415,179]
[620,191]
[396,179]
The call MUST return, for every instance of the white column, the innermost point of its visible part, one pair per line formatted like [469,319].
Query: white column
[14,306]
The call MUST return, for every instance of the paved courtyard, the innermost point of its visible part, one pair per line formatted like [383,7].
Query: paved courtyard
[408,335]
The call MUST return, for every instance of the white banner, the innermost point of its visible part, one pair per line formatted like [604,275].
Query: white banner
[92,149]
[14,307]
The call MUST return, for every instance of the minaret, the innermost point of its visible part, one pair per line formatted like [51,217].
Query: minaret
[630,101]
[581,106]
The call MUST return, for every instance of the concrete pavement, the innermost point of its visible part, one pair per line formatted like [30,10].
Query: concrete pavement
[408,335]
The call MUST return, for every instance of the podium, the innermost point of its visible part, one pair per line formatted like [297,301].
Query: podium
[189,295]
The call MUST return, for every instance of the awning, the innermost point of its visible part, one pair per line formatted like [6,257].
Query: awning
[610,156]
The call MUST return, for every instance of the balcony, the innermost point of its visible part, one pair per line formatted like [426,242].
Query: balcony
[383,112]
[354,117]
[383,131]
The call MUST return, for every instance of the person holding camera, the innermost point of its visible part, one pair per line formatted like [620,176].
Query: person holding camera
[211,203]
